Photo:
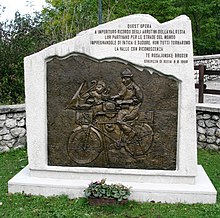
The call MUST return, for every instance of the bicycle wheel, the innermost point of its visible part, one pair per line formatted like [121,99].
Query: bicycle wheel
[85,145]
[142,140]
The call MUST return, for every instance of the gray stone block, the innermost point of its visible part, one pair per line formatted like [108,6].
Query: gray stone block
[22,142]
[21,122]
[218,124]
[201,145]
[7,143]
[2,116]
[201,123]
[213,147]
[19,116]
[18,131]
[10,115]
[217,133]
[210,123]
[2,123]
[206,116]
[202,138]
[10,123]
[4,149]
[7,137]
[215,117]
[211,139]
[199,117]
[217,142]
[211,131]
[4,131]
[201,130]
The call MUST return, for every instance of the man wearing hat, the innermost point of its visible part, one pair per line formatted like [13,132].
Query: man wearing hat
[129,98]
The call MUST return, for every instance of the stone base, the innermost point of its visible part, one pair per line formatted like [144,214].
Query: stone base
[201,192]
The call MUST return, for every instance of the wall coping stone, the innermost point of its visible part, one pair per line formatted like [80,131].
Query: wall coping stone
[12,108]
[208,107]
[206,57]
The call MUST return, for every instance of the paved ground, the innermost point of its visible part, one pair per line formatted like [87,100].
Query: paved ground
[212,99]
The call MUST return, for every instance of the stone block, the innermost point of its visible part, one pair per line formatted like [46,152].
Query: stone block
[210,123]
[215,117]
[213,147]
[217,141]
[202,191]
[201,123]
[217,133]
[4,131]
[206,116]
[10,123]
[7,137]
[21,122]
[19,116]
[202,138]
[18,131]
[2,123]
[201,145]
[201,130]
[218,124]
[211,139]
[5,109]
[10,115]
[4,149]
[9,143]
[199,117]
[2,117]
[211,131]
[20,143]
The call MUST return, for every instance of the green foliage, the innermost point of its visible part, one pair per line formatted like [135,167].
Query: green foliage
[64,19]
[162,10]
[205,24]
[18,38]
[100,189]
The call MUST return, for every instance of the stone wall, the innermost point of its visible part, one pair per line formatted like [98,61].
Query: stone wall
[12,127]
[208,126]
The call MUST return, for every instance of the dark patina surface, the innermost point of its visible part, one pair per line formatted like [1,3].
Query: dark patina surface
[110,114]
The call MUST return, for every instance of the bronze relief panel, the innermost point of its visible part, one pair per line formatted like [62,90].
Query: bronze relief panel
[110,114]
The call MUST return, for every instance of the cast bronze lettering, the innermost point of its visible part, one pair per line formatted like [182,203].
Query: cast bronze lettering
[105,121]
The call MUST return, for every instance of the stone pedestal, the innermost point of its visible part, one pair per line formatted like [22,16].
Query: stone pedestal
[202,191]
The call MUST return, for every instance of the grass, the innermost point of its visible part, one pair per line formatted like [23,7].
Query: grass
[25,206]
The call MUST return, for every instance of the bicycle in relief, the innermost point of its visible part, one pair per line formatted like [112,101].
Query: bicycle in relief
[105,121]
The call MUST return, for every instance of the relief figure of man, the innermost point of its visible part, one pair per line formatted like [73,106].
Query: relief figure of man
[129,98]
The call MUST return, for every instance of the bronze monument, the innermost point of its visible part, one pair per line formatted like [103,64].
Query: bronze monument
[110,114]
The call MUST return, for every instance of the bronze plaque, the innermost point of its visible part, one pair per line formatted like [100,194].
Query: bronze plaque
[110,114]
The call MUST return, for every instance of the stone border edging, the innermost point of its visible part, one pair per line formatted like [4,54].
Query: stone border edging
[12,108]
[206,57]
